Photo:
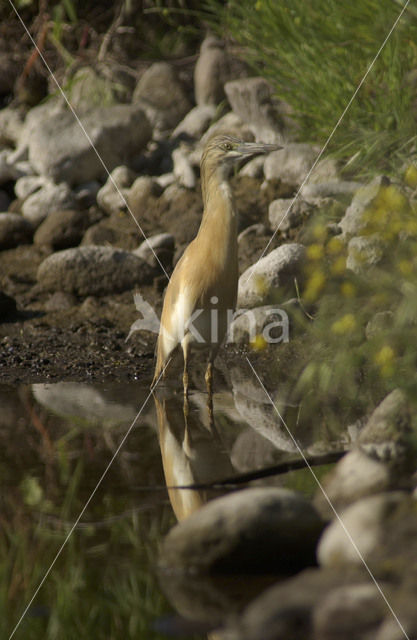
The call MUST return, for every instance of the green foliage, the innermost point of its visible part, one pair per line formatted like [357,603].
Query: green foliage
[316,53]
[362,342]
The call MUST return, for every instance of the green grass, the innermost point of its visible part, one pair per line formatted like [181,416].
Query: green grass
[315,55]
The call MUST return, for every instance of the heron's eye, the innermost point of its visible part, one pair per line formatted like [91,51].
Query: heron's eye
[227,146]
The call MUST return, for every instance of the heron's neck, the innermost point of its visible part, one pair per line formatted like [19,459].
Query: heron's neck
[219,208]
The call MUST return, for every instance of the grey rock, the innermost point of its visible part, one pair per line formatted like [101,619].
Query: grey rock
[362,530]
[98,87]
[259,283]
[254,230]
[253,101]
[364,252]
[34,117]
[86,193]
[11,125]
[387,433]
[353,221]
[331,189]
[230,124]
[249,530]
[14,230]
[283,214]
[196,122]
[381,322]
[268,321]
[183,170]
[355,476]
[162,96]
[113,195]
[10,170]
[62,229]
[210,72]
[60,149]
[158,241]
[27,185]
[349,612]
[92,270]
[254,168]
[293,163]
[50,197]
[285,610]
[157,250]
[139,194]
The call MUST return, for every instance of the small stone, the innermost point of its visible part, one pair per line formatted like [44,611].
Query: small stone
[183,170]
[252,99]
[11,125]
[14,230]
[253,530]
[364,252]
[210,72]
[362,530]
[142,190]
[258,285]
[284,214]
[268,322]
[290,164]
[353,221]
[113,195]
[159,241]
[62,229]
[50,197]
[93,270]
[25,186]
[162,96]
[196,122]
[381,322]
[330,189]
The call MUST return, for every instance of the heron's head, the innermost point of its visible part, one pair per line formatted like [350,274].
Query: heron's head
[223,152]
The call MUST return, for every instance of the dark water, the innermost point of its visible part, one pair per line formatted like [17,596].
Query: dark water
[62,464]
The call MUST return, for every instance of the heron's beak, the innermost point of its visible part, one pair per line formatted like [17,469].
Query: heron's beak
[256,148]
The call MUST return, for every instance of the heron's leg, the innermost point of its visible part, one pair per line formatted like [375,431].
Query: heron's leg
[209,385]
[186,407]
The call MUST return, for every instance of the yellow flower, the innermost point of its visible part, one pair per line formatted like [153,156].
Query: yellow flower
[258,343]
[410,176]
[339,265]
[406,267]
[334,246]
[385,360]
[345,324]
[315,252]
[348,290]
[319,232]
[392,198]
[314,285]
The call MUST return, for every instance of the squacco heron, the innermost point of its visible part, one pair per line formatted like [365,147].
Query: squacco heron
[201,295]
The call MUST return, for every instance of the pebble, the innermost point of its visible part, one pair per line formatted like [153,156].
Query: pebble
[14,230]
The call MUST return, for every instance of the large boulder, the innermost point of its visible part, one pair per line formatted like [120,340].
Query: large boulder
[92,270]
[254,530]
[61,149]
